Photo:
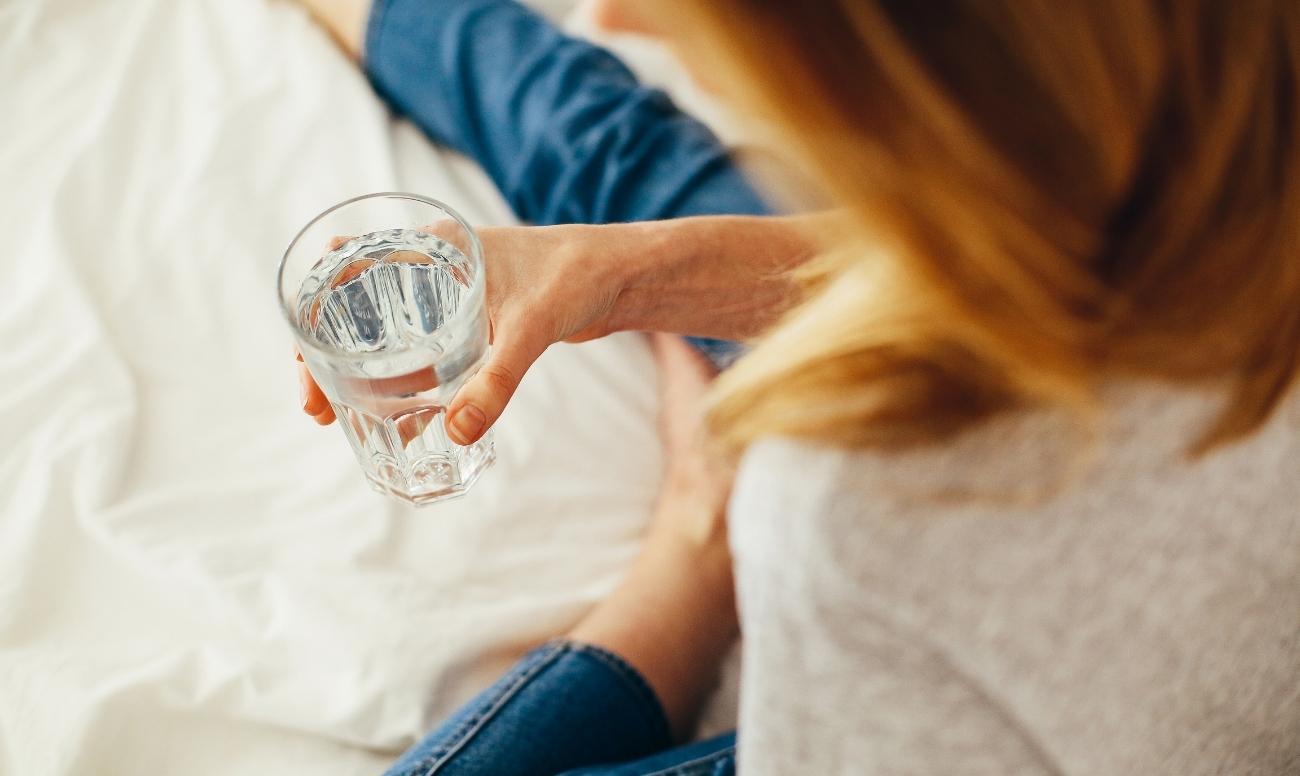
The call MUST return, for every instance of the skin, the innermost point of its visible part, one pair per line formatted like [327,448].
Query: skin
[673,617]
[718,276]
[344,19]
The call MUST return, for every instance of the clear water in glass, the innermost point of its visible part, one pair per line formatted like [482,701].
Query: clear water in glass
[398,325]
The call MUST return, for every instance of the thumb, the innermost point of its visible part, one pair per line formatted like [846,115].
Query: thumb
[479,402]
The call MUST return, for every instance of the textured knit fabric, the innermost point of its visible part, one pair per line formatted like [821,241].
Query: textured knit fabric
[1024,602]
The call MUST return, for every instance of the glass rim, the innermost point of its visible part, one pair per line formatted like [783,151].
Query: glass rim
[476,287]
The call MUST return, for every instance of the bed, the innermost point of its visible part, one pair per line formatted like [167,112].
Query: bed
[193,577]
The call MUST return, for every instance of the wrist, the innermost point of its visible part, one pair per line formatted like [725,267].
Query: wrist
[709,276]
[649,253]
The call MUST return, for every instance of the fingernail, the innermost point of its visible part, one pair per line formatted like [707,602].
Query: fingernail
[468,422]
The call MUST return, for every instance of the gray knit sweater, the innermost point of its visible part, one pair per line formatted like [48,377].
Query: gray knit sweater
[1016,604]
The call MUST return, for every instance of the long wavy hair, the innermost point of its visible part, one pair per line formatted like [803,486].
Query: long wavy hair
[1037,195]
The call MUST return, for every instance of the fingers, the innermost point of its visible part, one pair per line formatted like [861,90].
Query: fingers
[445,228]
[480,401]
[313,398]
[326,417]
[674,351]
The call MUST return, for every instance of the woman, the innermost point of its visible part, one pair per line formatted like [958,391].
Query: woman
[1017,490]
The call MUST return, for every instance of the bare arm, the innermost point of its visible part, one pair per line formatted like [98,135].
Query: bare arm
[716,276]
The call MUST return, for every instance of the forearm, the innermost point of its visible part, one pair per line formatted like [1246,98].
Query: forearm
[712,276]
[674,619]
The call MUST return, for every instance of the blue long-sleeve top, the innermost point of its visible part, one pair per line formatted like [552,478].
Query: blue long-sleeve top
[561,126]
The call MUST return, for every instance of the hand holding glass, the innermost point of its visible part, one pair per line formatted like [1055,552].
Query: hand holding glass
[385,294]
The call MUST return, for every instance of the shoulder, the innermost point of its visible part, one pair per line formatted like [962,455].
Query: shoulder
[1025,458]
[1015,457]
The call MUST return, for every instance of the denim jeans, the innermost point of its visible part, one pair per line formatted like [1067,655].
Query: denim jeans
[564,708]
[561,126]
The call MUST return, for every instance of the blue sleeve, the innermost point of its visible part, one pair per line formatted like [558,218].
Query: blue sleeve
[562,127]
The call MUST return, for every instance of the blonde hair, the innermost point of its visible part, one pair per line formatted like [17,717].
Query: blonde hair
[1035,193]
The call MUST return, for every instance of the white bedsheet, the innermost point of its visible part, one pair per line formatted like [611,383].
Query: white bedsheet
[193,577]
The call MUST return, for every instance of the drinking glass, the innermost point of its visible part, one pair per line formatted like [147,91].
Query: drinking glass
[385,294]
